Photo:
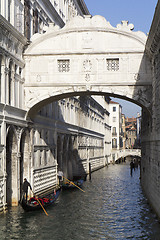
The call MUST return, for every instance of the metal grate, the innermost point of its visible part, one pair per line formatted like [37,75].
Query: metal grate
[113,64]
[63,65]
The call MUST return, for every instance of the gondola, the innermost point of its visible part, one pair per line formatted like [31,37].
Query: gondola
[33,205]
[69,185]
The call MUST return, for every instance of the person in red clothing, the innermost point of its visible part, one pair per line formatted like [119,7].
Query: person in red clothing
[25,186]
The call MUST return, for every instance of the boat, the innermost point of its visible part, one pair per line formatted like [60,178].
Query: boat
[72,184]
[33,203]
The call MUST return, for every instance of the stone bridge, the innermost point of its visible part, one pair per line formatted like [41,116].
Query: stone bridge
[128,152]
[87,57]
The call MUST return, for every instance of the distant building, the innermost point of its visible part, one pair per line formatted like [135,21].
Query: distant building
[131,132]
[116,128]
[124,131]
[138,130]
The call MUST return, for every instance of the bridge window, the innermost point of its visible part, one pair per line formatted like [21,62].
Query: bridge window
[113,64]
[64,65]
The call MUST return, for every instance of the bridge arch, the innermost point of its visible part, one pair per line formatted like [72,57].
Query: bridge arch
[87,56]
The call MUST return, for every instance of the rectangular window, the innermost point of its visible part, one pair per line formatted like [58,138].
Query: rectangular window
[113,64]
[114,129]
[114,109]
[114,132]
[114,143]
[64,65]
[114,119]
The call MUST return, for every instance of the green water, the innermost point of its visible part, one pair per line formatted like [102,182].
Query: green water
[112,207]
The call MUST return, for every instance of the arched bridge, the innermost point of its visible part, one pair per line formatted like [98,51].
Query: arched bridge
[128,152]
[87,56]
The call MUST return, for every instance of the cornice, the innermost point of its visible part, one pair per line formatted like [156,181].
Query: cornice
[52,11]
[12,30]
[153,41]
[81,4]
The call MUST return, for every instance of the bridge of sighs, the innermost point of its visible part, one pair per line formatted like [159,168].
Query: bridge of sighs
[87,57]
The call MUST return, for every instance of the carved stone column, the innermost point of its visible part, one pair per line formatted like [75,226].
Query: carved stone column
[6,85]
[3,88]
[19,131]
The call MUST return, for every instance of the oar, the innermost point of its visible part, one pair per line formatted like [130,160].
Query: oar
[73,184]
[40,203]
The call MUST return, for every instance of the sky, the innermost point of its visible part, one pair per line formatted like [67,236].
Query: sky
[138,12]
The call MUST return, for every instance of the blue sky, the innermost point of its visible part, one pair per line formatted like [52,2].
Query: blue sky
[138,12]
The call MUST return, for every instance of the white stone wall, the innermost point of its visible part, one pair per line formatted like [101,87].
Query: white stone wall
[150,165]
[72,117]
[18,22]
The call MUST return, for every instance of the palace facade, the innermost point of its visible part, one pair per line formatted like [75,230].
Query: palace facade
[67,134]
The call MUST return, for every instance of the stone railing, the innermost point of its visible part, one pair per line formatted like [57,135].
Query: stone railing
[44,179]
[128,152]
[1,193]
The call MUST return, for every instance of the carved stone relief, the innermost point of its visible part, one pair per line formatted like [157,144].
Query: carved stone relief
[87,64]
[137,76]
[143,96]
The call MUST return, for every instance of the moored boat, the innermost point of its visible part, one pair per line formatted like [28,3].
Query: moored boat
[72,184]
[33,203]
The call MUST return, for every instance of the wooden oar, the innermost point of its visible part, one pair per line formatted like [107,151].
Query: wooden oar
[40,203]
[73,184]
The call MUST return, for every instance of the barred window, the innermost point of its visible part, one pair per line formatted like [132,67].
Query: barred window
[113,64]
[64,65]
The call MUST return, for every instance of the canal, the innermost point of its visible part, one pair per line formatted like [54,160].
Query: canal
[112,207]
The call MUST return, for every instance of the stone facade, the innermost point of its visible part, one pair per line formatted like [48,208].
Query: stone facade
[48,118]
[59,135]
[78,65]
[150,168]
[69,133]
[116,129]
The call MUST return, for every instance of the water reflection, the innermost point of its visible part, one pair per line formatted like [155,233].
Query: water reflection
[112,207]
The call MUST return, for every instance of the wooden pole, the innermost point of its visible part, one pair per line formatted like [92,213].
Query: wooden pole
[73,184]
[40,203]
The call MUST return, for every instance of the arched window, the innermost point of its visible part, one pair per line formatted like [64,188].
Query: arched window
[10,83]
[9,10]
[27,19]
[114,143]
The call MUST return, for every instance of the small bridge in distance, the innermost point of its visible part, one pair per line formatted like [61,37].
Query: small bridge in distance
[128,152]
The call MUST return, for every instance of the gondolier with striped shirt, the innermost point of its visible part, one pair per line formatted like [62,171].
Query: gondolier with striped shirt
[25,186]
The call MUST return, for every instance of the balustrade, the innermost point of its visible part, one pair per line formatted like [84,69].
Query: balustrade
[44,178]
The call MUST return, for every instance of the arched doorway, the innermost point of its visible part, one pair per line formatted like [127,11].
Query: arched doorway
[11,169]
[25,164]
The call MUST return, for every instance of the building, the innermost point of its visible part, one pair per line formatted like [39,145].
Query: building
[116,128]
[131,132]
[124,131]
[67,134]
[138,130]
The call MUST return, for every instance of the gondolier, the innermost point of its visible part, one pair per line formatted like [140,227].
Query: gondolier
[35,203]
[25,186]
[60,176]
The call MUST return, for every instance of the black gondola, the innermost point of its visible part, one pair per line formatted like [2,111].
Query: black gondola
[33,205]
[69,185]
